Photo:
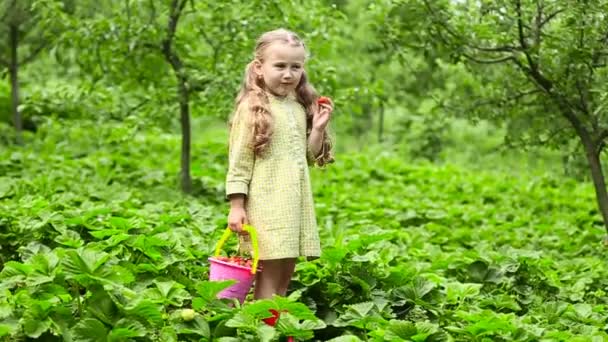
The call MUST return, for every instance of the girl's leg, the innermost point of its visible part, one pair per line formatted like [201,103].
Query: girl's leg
[274,278]
[288,267]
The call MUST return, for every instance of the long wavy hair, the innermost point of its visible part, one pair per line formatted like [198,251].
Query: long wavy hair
[253,91]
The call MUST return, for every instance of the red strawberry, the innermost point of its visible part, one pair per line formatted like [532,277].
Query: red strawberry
[323,100]
[272,321]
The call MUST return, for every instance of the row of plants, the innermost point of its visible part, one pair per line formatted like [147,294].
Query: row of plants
[98,244]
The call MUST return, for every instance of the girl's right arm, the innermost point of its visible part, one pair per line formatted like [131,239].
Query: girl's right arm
[240,167]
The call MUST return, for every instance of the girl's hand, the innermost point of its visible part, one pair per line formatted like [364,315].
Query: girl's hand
[321,118]
[236,218]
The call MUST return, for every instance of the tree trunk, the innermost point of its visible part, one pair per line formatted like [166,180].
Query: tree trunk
[599,182]
[184,110]
[183,93]
[13,70]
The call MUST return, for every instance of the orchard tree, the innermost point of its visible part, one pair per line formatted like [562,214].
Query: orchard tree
[28,30]
[543,66]
[183,53]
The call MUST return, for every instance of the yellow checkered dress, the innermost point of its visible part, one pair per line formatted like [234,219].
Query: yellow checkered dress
[279,202]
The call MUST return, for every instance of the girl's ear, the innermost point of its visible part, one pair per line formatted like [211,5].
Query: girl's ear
[257,68]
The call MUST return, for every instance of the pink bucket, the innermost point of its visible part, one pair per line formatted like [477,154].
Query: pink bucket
[221,270]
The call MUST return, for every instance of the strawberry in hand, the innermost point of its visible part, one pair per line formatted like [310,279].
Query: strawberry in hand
[321,117]
[324,100]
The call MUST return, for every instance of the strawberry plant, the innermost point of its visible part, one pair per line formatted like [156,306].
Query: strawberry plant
[99,245]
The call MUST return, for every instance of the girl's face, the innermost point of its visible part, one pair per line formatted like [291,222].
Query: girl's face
[282,67]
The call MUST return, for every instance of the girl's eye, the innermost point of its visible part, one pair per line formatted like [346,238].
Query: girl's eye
[280,66]
[297,67]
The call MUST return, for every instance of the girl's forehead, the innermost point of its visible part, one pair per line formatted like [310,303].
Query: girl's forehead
[285,52]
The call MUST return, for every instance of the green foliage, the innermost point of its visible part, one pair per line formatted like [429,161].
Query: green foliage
[414,252]
[98,244]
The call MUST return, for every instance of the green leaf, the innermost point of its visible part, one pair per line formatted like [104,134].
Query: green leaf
[583,310]
[415,291]
[197,326]
[346,338]
[290,326]
[70,239]
[362,309]
[120,275]
[168,334]
[90,330]
[424,330]
[169,293]
[502,301]
[266,333]
[35,327]
[125,330]
[242,320]
[104,233]
[9,327]
[32,249]
[120,223]
[14,273]
[5,186]
[334,255]
[457,292]
[100,304]
[146,310]
[402,329]
[228,339]
[208,290]
[85,260]
[478,270]
[5,310]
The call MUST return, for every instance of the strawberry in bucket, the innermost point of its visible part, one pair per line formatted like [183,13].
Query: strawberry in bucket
[237,268]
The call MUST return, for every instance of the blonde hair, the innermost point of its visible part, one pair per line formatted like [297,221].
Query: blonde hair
[252,91]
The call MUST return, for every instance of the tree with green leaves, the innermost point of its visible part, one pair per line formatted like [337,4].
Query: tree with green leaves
[543,66]
[196,48]
[28,31]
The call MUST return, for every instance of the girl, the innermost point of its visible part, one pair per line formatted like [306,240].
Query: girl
[277,130]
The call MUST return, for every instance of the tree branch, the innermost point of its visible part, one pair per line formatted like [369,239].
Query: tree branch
[215,47]
[502,48]
[598,54]
[166,46]
[522,38]
[176,10]
[601,140]
[458,38]
[550,17]
[9,8]
[152,12]
[540,142]
[35,53]
[488,61]
[582,96]
[539,15]
[128,10]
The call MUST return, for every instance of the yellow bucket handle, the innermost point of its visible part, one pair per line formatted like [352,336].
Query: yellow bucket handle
[254,243]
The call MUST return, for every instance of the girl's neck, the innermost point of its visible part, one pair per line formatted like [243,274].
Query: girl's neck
[289,96]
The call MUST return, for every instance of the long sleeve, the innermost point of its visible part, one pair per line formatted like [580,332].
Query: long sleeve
[240,157]
[310,157]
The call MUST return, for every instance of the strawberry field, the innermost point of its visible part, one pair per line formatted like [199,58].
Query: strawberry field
[98,244]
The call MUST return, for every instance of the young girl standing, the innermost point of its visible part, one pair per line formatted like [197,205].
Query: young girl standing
[278,129]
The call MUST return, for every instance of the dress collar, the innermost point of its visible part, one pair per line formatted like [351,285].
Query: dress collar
[281,99]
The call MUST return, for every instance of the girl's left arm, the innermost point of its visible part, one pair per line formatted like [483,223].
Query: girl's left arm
[320,120]
[315,144]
